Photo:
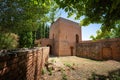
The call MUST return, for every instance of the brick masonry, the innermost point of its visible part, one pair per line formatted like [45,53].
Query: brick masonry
[65,39]
[23,65]
[99,50]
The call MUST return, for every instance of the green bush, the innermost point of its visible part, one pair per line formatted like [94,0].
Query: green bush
[8,40]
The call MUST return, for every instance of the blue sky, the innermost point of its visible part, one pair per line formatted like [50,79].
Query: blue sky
[87,31]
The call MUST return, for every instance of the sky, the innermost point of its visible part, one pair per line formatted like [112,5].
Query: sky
[87,31]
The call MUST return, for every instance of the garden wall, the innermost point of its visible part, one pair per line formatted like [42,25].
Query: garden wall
[23,64]
[99,50]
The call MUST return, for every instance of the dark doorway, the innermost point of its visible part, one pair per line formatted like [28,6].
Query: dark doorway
[50,53]
[77,38]
[71,50]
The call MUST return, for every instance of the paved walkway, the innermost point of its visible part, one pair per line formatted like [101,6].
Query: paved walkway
[82,68]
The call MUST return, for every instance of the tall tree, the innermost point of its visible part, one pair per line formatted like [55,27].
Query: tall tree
[22,17]
[43,31]
[26,39]
[47,31]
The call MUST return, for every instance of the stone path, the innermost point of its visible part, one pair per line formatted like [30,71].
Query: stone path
[76,68]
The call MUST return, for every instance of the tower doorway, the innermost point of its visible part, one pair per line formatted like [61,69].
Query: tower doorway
[50,52]
[71,50]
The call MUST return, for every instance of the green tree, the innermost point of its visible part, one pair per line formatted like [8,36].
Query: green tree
[22,17]
[105,12]
[43,31]
[26,39]
[113,33]
[47,31]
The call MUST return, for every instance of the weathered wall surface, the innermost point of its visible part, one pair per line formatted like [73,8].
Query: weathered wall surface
[67,37]
[23,65]
[99,50]
[64,32]
[54,35]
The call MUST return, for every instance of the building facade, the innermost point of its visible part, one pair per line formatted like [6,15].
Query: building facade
[63,37]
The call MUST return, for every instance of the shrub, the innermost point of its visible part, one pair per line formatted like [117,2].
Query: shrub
[8,40]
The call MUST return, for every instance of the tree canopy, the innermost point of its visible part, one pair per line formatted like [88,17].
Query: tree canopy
[113,33]
[105,12]
[22,15]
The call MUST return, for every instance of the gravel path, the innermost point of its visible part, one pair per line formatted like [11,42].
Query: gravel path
[83,68]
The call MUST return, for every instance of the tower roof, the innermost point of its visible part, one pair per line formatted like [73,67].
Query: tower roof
[63,19]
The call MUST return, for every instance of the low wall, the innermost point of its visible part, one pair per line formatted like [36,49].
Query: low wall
[23,64]
[99,50]
[44,42]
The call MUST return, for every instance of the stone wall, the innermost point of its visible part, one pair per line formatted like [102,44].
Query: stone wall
[99,50]
[44,42]
[23,64]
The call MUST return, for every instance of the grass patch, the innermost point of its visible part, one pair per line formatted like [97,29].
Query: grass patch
[53,61]
[44,71]
[50,70]
[64,76]
[68,65]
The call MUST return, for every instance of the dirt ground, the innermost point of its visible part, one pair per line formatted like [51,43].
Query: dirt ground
[76,68]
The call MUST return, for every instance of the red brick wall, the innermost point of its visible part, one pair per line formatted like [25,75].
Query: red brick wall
[23,65]
[99,50]
[64,32]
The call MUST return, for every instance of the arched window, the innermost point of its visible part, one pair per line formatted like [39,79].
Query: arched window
[77,38]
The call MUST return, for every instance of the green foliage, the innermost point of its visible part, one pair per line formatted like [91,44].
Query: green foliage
[68,65]
[47,28]
[113,33]
[26,39]
[42,31]
[44,71]
[8,40]
[50,70]
[64,76]
[22,15]
[94,11]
